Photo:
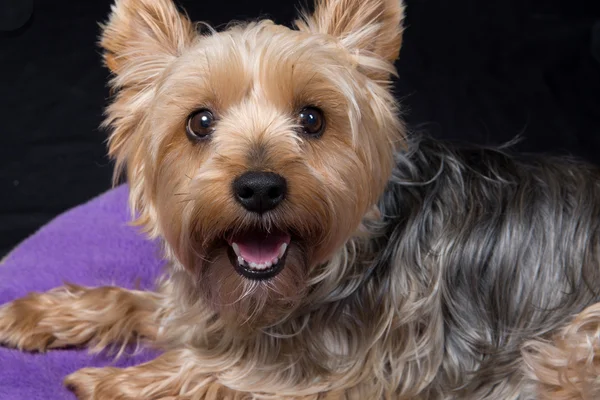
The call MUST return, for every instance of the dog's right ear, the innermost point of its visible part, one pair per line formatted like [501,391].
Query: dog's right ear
[141,37]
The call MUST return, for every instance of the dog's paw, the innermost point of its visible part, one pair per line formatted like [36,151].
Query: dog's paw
[115,384]
[144,382]
[92,384]
[21,328]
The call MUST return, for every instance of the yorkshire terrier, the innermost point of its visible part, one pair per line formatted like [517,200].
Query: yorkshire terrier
[316,249]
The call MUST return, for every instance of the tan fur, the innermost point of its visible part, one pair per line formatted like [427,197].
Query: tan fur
[568,365]
[226,337]
[363,28]
[171,375]
[73,315]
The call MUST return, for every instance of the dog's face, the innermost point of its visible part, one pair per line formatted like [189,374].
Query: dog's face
[254,152]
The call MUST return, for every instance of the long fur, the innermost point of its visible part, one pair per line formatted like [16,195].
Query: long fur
[498,249]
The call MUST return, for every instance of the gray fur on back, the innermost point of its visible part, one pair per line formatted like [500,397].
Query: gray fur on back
[504,247]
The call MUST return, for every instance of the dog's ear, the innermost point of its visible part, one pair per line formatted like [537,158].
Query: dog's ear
[141,37]
[364,27]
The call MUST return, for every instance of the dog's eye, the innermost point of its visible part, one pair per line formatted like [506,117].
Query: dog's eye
[312,121]
[200,124]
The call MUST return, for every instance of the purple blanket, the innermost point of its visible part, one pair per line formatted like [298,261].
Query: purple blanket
[88,245]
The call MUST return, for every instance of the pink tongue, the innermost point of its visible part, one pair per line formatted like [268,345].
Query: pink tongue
[260,247]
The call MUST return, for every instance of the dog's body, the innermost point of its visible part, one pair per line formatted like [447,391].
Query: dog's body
[503,248]
[316,251]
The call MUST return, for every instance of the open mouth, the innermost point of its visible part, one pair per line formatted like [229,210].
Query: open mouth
[259,254]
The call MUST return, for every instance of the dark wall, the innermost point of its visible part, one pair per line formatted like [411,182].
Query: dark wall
[475,70]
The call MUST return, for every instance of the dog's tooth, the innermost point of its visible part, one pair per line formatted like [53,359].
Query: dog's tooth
[268,264]
[252,265]
[236,248]
[274,261]
[282,249]
[241,261]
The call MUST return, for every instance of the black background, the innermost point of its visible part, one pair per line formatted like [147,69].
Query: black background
[476,70]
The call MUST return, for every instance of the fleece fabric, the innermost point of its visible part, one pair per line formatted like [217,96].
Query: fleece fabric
[91,245]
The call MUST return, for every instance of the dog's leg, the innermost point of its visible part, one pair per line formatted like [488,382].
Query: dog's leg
[176,374]
[182,375]
[73,316]
[568,366]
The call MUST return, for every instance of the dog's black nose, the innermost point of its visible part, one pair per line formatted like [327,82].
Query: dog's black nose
[260,192]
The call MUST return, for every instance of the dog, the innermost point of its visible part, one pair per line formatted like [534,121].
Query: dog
[317,249]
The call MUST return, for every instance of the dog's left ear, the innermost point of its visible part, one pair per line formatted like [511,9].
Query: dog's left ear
[363,27]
